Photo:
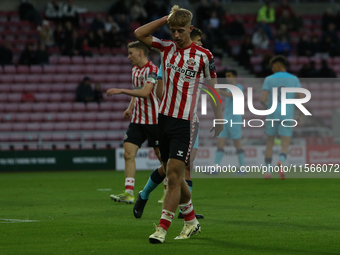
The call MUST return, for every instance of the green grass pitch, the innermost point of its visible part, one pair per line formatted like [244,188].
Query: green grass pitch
[74,215]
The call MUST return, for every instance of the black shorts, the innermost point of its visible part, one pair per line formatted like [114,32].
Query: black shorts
[176,138]
[138,133]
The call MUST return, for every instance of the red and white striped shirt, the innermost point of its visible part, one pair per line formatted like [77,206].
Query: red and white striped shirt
[145,110]
[182,69]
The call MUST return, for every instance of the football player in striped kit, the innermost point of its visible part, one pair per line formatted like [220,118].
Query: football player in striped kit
[143,111]
[183,64]
[158,175]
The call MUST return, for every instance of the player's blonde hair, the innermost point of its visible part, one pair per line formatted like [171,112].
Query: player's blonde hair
[179,17]
[140,46]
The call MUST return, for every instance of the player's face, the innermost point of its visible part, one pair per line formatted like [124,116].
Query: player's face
[230,78]
[181,35]
[134,56]
[198,40]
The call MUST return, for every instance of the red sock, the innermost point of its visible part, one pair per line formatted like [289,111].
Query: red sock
[166,219]
[129,185]
[165,183]
[188,212]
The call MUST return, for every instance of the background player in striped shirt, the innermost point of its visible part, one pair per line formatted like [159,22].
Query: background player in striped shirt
[155,179]
[230,132]
[281,78]
[183,63]
[143,110]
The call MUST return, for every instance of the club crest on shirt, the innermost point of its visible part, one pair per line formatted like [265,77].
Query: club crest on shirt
[191,62]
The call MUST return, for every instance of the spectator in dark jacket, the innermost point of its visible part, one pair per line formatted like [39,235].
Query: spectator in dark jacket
[28,12]
[304,47]
[98,95]
[325,71]
[84,91]
[6,54]
[97,23]
[42,55]
[28,56]
[282,8]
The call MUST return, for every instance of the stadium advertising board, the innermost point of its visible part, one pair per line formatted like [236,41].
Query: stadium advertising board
[19,161]
[323,154]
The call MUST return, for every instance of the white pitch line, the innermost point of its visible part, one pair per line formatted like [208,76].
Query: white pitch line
[103,189]
[16,220]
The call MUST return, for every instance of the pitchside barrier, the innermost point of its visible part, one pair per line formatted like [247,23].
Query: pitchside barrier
[19,161]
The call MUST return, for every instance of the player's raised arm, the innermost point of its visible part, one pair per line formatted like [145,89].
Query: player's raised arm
[144,92]
[143,33]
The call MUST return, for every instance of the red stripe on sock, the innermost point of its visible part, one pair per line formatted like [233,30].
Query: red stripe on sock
[165,224]
[129,187]
[189,216]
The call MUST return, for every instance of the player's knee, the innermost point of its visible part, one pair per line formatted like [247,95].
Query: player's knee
[174,181]
[128,156]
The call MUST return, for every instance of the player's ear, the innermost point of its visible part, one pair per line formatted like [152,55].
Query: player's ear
[191,28]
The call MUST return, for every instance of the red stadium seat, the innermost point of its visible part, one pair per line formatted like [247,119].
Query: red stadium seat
[76,69]
[9,69]
[17,88]
[73,136]
[77,60]
[52,107]
[105,106]
[92,106]
[70,87]
[8,117]
[90,60]
[116,125]
[63,69]
[20,78]
[39,107]
[41,97]
[87,126]
[114,69]
[6,78]
[6,127]
[89,69]
[63,60]
[5,88]
[23,69]
[116,60]
[60,126]
[33,127]
[90,116]
[104,116]
[16,137]
[50,117]
[33,78]
[74,126]
[74,78]
[59,78]
[50,69]
[76,116]
[103,60]
[63,117]
[11,107]
[99,136]
[79,107]
[31,88]
[22,117]
[36,117]
[57,88]
[101,126]
[55,137]
[65,107]
[36,69]
[101,69]
[46,78]
[26,107]
[124,78]
[14,97]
